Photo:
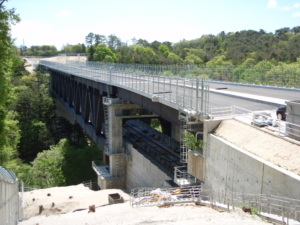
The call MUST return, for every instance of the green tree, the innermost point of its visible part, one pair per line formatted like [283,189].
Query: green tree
[145,55]
[8,130]
[101,52]
[113,42]
[164,50]
[191,59]
[89,39]
[219,61]
[35,111]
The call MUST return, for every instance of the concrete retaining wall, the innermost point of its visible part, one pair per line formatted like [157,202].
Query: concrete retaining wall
[141,172]
[231,168]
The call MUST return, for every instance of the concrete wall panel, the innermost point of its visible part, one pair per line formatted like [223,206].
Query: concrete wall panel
[144,173]
[231,168]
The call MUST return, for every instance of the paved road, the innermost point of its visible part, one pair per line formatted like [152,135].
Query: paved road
[279,93]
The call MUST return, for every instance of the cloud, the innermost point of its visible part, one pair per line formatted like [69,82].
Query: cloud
[272,4]
[296,5]
[297,14]
[285,8]
[63,13]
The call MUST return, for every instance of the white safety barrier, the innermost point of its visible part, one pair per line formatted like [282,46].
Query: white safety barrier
[9,198]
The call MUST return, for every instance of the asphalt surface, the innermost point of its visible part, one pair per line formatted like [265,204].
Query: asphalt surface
[281,93]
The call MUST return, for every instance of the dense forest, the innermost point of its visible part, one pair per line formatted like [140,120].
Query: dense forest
[246,47]
[42,149]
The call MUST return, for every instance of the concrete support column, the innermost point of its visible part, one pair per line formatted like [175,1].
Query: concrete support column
[115,142]
[115,139]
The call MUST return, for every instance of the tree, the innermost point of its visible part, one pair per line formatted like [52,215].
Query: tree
[35,112]
[282,31]
[164,50]
[89,39]
[143,42]
[222,35]
[113,42]
[145,55]
[101,52]
[7,148]
[91,51]
[155,45]
[296,30]
[125,54]
[193,59]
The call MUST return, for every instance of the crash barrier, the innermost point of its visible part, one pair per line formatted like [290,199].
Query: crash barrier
[9,198]
[259,119]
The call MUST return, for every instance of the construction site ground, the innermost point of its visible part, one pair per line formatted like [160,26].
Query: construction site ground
[62,211]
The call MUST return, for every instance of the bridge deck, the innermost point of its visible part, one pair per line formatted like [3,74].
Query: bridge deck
[178,92]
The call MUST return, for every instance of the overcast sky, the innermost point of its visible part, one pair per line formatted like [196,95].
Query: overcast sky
[60,22]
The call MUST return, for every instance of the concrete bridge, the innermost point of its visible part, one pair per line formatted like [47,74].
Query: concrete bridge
[107,99]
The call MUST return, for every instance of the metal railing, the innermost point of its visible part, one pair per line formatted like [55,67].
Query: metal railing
[104,171]
[141,197]
[133,112]
[163,84]
[183,178]
[10,209]
[260,119]
[279,77]
[113,101]
[92,185]
[261,204]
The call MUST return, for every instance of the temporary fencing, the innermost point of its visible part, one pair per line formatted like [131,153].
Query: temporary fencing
[10,206]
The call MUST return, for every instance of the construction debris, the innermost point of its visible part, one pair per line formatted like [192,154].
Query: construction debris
[164,197]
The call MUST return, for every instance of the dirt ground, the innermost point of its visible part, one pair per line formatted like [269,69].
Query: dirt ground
[62,211]
[273,149]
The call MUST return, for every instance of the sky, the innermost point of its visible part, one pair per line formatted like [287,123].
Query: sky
[61,22]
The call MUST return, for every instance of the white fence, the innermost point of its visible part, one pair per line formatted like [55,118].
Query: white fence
[9,198]
[260,119]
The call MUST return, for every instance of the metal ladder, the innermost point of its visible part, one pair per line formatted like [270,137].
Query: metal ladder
[183,148]
[106,119]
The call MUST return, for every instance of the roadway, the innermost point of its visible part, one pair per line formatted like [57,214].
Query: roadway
[280,93]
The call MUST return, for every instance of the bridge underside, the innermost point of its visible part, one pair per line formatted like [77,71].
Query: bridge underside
[100,111]
[83,99]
